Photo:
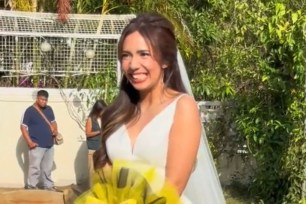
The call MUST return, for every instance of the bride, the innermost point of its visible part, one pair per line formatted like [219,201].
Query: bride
[153,120]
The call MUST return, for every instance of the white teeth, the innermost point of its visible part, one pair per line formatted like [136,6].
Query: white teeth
[139,76]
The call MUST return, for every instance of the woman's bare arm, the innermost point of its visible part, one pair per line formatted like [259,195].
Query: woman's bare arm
[88,128]
[184,142]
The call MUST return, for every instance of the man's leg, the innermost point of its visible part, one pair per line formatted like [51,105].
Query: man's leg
[35,158]
[46,168]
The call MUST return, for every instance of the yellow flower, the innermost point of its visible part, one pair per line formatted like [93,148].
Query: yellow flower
[129,201]
[129,182]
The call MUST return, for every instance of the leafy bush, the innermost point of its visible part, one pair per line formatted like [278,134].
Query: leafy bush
[257,62]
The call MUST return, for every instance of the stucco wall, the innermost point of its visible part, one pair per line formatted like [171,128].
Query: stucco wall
[70,163]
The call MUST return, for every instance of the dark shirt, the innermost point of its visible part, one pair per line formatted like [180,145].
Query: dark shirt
[38,129]
[93,143]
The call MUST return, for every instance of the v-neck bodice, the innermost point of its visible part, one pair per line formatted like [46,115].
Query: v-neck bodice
[151,148]
[151,144]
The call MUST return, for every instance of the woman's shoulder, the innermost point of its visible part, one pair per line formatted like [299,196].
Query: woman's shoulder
[186,104]
[90,118]
[183,100]
[186,101]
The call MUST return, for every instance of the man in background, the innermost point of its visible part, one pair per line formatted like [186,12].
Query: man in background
[39,135]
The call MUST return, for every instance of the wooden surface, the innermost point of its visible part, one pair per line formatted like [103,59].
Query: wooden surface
[31,196]
[22,196]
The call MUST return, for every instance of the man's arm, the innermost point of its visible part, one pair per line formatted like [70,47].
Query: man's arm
[53,123]
[26,136]
[24,129]
[54,127]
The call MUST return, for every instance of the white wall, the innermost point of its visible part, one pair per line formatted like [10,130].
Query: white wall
[70,162]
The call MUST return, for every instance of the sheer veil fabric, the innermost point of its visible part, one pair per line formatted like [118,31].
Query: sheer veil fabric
[203,186]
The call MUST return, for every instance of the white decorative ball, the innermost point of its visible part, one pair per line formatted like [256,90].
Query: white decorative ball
[45,47]
[90,54]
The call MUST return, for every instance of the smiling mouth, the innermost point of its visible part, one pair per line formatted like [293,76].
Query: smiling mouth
[138,77]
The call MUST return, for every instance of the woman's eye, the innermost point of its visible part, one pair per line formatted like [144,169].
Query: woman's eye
[144,54]
[125,56]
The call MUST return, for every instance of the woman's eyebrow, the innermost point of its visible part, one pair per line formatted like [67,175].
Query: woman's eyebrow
[140,51]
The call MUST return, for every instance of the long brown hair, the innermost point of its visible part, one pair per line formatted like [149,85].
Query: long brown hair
[97,108]
[159,34]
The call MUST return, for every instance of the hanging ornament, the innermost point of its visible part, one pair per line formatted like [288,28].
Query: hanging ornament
[90,54]
[45,46]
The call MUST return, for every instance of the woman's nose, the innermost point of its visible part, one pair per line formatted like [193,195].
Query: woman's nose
[134,63]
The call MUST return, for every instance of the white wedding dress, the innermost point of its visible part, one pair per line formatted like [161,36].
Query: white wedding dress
[151,148]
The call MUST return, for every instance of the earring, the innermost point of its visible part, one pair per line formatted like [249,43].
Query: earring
[164,66]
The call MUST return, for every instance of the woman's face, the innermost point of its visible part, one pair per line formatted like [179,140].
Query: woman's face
[138,63]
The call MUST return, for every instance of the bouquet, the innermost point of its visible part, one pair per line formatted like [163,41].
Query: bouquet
[129,182]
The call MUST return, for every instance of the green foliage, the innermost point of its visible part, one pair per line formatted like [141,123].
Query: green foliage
[101,85]
[256,61]
[87,6]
